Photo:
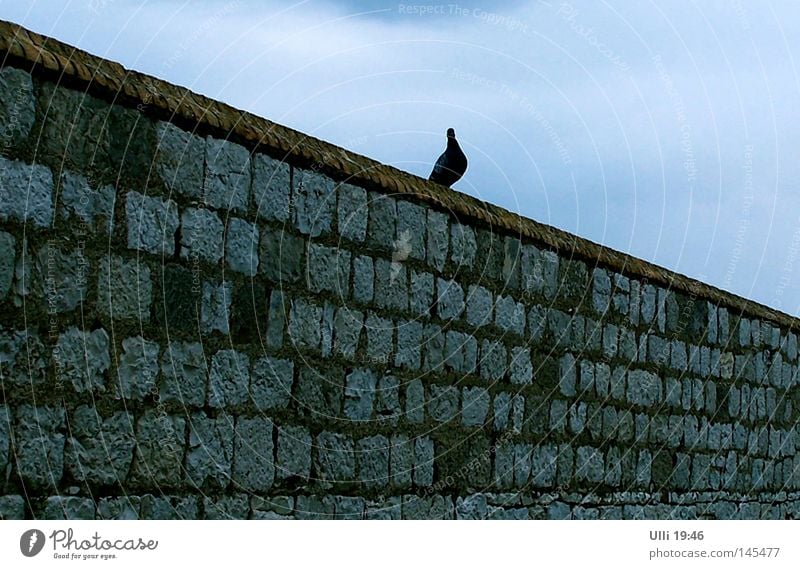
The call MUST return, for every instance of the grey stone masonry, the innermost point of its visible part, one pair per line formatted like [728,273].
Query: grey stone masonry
[293,453]
[62,277]
[209,455]
[124,289]
[160,449]
[184,374]
[271,382]
[352,212]
[227,177]
[201,235]
[411,224]
[17,105]
[450,302]
[138,368]
[254,465]
[99,450]
[271,188]
[7,254]
[241,246]
[179,159]
[228,379]
[82,359]
[93,207]
[152,223]
[314,202]
[26,193]
[38,440]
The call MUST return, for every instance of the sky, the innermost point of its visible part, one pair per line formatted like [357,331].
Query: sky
[667,130]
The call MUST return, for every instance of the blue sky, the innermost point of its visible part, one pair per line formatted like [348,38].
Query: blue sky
[665,130]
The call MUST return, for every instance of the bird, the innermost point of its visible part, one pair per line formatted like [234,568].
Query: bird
[451,165]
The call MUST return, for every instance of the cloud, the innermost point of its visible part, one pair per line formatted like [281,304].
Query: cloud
[629,123]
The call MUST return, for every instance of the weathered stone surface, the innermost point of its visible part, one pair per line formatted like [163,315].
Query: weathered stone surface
[334,457]
[318,394]
[137,372]
[82,358]
[99,450]
[644,388]
[443,403]
[62,278]
[415,401]
[228,379]
[409,340]
[493,363]
[68,508]
[293,453]
[380,333]
[359,394]
[475,406]
[7,255]
[424,453]
[26,193]
[438,238]
[304,325]
[271,382]
[241,246]
[463,246]
[160,442]
[352,212]
[479,306]
[179,159]
[152,223]
[314,201]
[227,176]
[373,461]
[363,279]
[184,374]
[234,507]
[124,289]
[271,188]
[328,270]
[17,106]
[254,465]
[215,308]
[38,439]
[521,368]
[567,375]
[421,293]
[12,508]
[94,208]
[391,285]
[281,255]
[201,235]
[210,452]
[411,226]
[22,358]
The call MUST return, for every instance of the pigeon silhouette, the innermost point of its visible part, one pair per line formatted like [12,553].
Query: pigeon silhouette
[451,165]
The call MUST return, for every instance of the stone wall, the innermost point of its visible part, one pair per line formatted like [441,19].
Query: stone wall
[194,327]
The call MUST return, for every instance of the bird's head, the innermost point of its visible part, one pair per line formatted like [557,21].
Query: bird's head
[451,133]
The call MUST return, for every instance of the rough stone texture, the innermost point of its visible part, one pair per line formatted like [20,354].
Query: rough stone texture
[228,379]
[352,212]
[293,453]
[124,289]
[82,359]
[271,382]
[26,193]
[241,246]
[479,306]
[184,374]
[363,279]
[314,202]
[493,364]
[69,508]
[99,450]
[304,324]
[253,467]
[12,508]
[152,223]
[160,447]
[215,308]
[463,245]
[443,403]
[334,457]
[227,176]
[328,270]
[438,239]
[17,109]
[62,278]
[22,358]
[137,372]
[450,299]
[359,394]
[179,159]
[209,454]
[475,406]
[281,255]
[38,439]
[94,208]
[7,253]
[201,235]
[271,188]
[373,461]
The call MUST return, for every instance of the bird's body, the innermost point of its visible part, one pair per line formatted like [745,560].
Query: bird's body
[451,165]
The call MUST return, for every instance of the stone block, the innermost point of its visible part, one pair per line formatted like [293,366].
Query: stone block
[521,368]
[391,285]
[78,200]
[282,256]
[411,226]
[304,325]
[184,374]
[443,403]
[424,453]
[12,508]
[509,315]
[202,235]
[26,193]
[480,306]
[38,439]
[359,394]
[421,294]
[179,159]
[241,246]
[373,461]
[415,401]
[152,223]
[293,453]
[124,289]
[352,212]
[363,279]
[227,176]
[271,382]
[493,360]
[328,270]
[99,450]
[7,255]
[644,388]
[314,201]
[18,106]
[68,508]
[82,358]
[62,278]
[215,308]
[271,188]
[137,371]
[438,239]
[380,334]
[475,406]
[334,457]
[318,394]
[209,455]
[160,446]
[462,246]
[23,358]
[228,379]
[409,340]
[253,465]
